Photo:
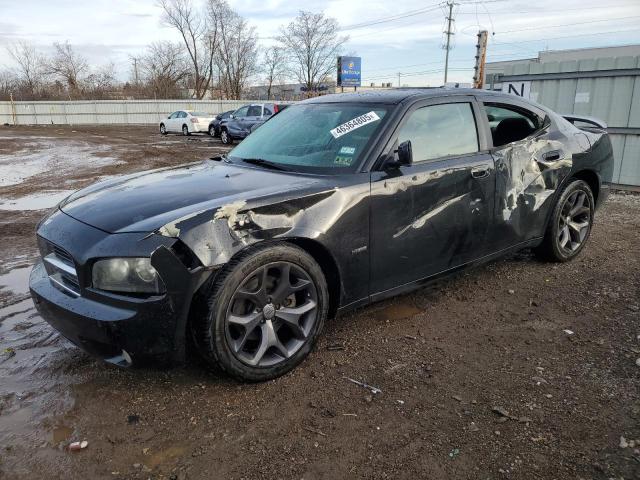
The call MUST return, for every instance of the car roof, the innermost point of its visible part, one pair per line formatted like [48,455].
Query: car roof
[398,95]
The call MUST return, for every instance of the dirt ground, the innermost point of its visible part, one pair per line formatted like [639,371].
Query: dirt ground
[516,370]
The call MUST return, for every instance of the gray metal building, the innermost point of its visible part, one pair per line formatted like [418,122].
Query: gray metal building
[598,82]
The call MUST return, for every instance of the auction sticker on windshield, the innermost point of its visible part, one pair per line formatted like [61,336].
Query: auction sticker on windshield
[357,122]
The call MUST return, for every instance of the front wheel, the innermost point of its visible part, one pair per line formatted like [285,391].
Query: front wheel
[570,224]
[225,137]
[163,129]
[263,313]
[212,131]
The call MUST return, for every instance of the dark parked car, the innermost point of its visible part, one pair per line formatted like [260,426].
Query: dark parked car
[336,202]
[240,122]
[214,126]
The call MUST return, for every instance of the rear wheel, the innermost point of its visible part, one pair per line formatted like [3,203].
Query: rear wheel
[570,224]
[185,130]
[262,315]
[225,137]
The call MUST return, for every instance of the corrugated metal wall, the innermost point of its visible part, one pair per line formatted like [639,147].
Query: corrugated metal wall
[614,99]
[106,111]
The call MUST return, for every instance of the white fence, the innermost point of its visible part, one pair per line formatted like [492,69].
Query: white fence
[87,112]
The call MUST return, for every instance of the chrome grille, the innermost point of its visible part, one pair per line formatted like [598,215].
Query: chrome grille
[60,267]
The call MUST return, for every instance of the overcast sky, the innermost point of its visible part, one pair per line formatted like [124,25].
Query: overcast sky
[113,30]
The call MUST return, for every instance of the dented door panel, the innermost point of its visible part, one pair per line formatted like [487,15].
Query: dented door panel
[528,175]
[428,218]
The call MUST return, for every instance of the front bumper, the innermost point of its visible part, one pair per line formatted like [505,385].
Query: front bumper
[119,329]
[116,334]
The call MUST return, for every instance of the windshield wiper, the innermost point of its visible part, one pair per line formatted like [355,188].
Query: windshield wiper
[221,158]
[265,163]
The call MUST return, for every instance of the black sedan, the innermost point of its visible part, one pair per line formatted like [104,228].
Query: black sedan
[334,203]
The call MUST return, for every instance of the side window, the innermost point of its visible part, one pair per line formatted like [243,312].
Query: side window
[254,111]
[267,111]
[174,115]
[241,112]
[441,130]
[182,115]
[510,124]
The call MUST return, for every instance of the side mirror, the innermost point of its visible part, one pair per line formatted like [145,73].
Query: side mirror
[405,153]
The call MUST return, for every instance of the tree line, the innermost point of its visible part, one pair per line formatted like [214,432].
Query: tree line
[218,56]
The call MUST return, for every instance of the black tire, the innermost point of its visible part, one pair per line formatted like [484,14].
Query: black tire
[570,224]
[163,129]
[212,131]
[225,137]
[185,130]
[215,304]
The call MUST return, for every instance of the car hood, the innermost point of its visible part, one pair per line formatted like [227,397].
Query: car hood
[146,201]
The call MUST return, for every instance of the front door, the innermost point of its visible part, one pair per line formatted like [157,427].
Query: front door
[433,215]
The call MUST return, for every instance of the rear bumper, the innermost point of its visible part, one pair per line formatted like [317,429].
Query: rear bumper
[117,334]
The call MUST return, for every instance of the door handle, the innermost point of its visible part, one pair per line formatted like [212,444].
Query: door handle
[552,155]
[480,172]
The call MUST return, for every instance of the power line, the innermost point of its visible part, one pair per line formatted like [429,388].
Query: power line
[567,36]
[570,24]
[391,18]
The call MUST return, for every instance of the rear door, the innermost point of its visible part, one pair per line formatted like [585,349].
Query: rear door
[532,159]
[433,215]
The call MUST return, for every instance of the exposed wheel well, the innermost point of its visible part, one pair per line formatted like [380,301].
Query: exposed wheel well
[329,267]
[592,180]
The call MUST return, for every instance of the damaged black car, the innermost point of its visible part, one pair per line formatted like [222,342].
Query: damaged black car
[334,203]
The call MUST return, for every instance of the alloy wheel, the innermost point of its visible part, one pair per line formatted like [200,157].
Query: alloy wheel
[574,221]
[271,314]
[224,136]
[185,130]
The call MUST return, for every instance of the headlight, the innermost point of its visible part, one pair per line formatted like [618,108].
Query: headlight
[131,275]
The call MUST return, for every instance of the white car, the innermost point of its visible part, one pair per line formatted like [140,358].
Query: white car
[187,122]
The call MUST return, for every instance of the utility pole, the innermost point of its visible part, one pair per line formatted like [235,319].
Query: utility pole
[448,33]
[399,79]
[481,57]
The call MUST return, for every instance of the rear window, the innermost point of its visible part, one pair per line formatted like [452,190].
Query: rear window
[200,114]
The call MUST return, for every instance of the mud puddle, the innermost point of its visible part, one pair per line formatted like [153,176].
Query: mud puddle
[36,156]
[32,359]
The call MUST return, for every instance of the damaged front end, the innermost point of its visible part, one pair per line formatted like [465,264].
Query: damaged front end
[121,328]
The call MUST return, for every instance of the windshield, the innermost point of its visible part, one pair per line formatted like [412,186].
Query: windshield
[314,137]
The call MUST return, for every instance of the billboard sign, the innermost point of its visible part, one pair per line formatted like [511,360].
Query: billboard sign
[349,73]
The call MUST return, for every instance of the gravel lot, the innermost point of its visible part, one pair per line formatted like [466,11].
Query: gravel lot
[480,378]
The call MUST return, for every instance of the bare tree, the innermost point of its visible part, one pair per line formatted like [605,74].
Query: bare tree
[199,39]
[163,69]
[68,66]
[8,84]
[101,82]
[30,63]
[237,49]
[313,42]
[273,67]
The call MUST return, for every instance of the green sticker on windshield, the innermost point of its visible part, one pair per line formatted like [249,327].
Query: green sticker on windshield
[342,160]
